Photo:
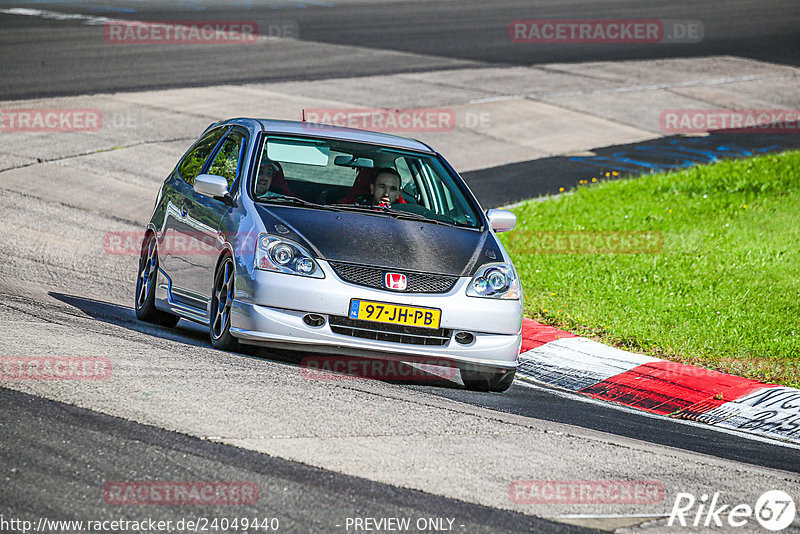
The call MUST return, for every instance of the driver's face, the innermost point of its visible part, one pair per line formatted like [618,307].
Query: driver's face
[264,179]
[386,188]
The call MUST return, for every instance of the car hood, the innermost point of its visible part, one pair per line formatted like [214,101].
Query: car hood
[383,241]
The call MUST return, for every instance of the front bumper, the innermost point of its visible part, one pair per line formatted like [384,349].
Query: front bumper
[269,312]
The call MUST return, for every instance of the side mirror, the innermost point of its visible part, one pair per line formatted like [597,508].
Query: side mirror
[501,220]
[211,185]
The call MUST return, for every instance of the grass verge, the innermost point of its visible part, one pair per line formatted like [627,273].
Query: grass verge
[711,279]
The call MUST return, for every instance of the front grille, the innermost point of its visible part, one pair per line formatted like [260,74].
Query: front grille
[411,335]
[373,277]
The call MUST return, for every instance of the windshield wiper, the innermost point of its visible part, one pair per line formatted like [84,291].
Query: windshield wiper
[281,199]
[397,214]
[365,209]
[413,216]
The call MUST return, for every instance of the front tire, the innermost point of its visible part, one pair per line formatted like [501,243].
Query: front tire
[221,304]
[146,286]
[496,380]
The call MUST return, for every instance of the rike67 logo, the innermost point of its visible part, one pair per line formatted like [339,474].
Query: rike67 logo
[774,510]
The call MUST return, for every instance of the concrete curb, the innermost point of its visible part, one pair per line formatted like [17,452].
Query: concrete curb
[580,365]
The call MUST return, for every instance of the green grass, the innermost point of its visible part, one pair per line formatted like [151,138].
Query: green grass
[723,292]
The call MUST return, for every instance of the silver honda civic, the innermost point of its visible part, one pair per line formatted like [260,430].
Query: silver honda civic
[333,240]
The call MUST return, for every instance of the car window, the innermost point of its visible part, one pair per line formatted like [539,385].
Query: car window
[427,187]
[409,188]
[330,174]
[193,162]
[226,162]
[437,191]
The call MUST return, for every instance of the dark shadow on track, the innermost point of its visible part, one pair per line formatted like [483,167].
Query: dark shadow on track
[186,332]
[313,366]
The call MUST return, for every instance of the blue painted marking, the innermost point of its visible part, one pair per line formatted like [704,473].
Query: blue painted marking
[684,153]
[354,304]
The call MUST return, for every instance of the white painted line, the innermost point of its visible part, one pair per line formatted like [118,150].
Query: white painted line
[89,20]
[577,362]
[608,516]
[92,20]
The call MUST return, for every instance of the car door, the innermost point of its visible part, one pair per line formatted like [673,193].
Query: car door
[203,219]
[179,195]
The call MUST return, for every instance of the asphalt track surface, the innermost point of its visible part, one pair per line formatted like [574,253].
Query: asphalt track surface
[47,441]
[536,402]
[41,57]
[57,457]
[302,498]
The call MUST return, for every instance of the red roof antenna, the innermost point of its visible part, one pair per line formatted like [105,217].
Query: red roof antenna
[304,115]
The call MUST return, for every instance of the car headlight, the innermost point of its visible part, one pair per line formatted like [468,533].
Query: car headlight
[495,281]
[284,256]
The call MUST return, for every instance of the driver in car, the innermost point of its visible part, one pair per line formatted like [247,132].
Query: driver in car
[384,189]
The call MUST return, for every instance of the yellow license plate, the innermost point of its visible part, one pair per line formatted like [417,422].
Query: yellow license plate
[381,312]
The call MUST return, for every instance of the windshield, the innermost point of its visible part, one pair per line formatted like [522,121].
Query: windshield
[359,177]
